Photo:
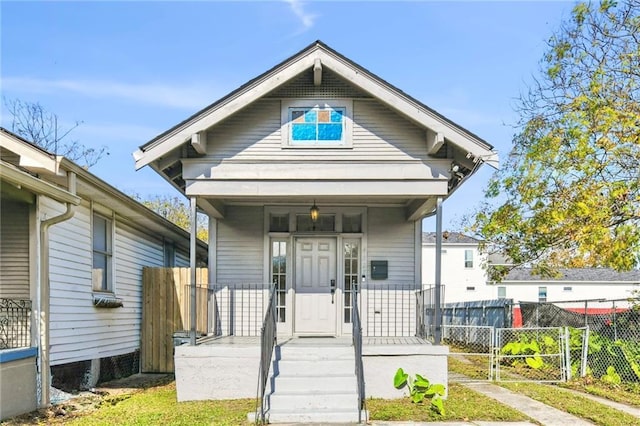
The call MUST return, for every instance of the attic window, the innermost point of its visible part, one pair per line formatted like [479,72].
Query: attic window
[311,124]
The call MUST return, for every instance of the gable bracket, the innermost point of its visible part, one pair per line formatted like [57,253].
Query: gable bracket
[199,142]
[317,72]
[435,140]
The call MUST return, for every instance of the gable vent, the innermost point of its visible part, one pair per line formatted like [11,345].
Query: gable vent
[332,87]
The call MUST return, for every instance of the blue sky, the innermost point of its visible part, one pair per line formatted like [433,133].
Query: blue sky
[131,70]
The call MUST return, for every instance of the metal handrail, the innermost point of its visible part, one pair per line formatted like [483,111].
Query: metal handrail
[268,338]
[357,345]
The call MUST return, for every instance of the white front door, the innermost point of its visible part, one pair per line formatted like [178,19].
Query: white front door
[315,273]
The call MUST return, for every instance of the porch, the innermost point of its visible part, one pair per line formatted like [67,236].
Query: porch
[225,363]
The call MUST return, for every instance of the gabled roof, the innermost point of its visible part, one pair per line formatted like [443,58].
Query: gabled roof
[40,171]
[451,238]
[292,67]
[595,275]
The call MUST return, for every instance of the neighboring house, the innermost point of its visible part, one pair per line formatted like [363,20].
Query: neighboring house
[572,285]
[72,249]
[464,277]
[463,267]
[316,176]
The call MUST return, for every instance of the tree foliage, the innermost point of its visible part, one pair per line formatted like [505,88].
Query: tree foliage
[34,123]
[176,210]
[569,193]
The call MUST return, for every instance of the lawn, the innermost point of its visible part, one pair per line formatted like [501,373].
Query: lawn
[157,405]
[559,398]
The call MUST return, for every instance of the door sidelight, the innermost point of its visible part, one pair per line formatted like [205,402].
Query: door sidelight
[333,290]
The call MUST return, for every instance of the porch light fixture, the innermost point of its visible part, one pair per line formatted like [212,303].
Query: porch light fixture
[314,212]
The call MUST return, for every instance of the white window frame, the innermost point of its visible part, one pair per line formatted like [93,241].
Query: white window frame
[502,289]
[346,104]
[110,238]
[470,251]
[546,294]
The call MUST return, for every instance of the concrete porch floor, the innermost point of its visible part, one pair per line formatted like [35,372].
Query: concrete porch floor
[312,341]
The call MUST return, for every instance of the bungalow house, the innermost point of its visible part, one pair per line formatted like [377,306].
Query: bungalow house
[316,176]
[72,249]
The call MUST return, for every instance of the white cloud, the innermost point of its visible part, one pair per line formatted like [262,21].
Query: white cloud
[306,18]
[158,94]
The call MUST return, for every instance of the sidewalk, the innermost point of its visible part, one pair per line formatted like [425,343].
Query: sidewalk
[538,411]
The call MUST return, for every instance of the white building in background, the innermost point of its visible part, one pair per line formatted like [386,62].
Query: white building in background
[465,279]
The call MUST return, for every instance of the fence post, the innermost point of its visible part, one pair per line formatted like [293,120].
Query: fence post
[615,323]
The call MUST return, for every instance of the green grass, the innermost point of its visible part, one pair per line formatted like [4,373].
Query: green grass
[462,404]
[158,406]
[625,393]
[573,404]
[556,397]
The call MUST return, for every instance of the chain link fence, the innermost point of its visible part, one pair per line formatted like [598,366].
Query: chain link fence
[531,354]
[604,335]
[551,341]
[472,347]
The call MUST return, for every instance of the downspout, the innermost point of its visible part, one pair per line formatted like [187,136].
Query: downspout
[45,372]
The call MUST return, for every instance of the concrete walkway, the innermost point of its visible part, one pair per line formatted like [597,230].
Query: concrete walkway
[538,411]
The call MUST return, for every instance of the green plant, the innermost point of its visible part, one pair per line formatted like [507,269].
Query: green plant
[530,350]
[611,376]
[420,388]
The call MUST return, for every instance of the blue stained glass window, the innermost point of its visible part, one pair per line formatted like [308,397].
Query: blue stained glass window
[317,125]
[311,116]
[330,132]
[303,132]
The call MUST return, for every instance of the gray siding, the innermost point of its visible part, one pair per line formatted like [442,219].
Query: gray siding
[378,134]
[240,246]
[390,311]
[390,237]
[14,250]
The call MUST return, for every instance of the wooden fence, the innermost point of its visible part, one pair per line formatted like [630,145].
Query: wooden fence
[165,310]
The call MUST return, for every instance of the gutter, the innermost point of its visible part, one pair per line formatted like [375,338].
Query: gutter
[44,296]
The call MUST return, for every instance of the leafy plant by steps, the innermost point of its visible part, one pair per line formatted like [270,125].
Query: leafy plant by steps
[420,388]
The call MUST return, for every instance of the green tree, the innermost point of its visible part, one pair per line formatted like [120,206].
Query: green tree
[37,125]
[176,210]
[569,193]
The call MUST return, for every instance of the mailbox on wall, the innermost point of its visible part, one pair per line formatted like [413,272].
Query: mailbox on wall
[379,269]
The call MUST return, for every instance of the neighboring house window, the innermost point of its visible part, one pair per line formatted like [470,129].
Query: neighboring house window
[279,277]
[468,258]
[502,292]
[169,254]
[102,253]
[542,294]
[316,124]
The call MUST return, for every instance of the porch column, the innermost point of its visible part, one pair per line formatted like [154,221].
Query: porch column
[192,265]
[438,319]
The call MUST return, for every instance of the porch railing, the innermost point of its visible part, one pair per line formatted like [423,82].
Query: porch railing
[390,309]
[15,323]
[232,309]
[357,345]
[267,343]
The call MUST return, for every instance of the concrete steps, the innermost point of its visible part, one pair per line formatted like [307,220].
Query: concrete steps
[313,384]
